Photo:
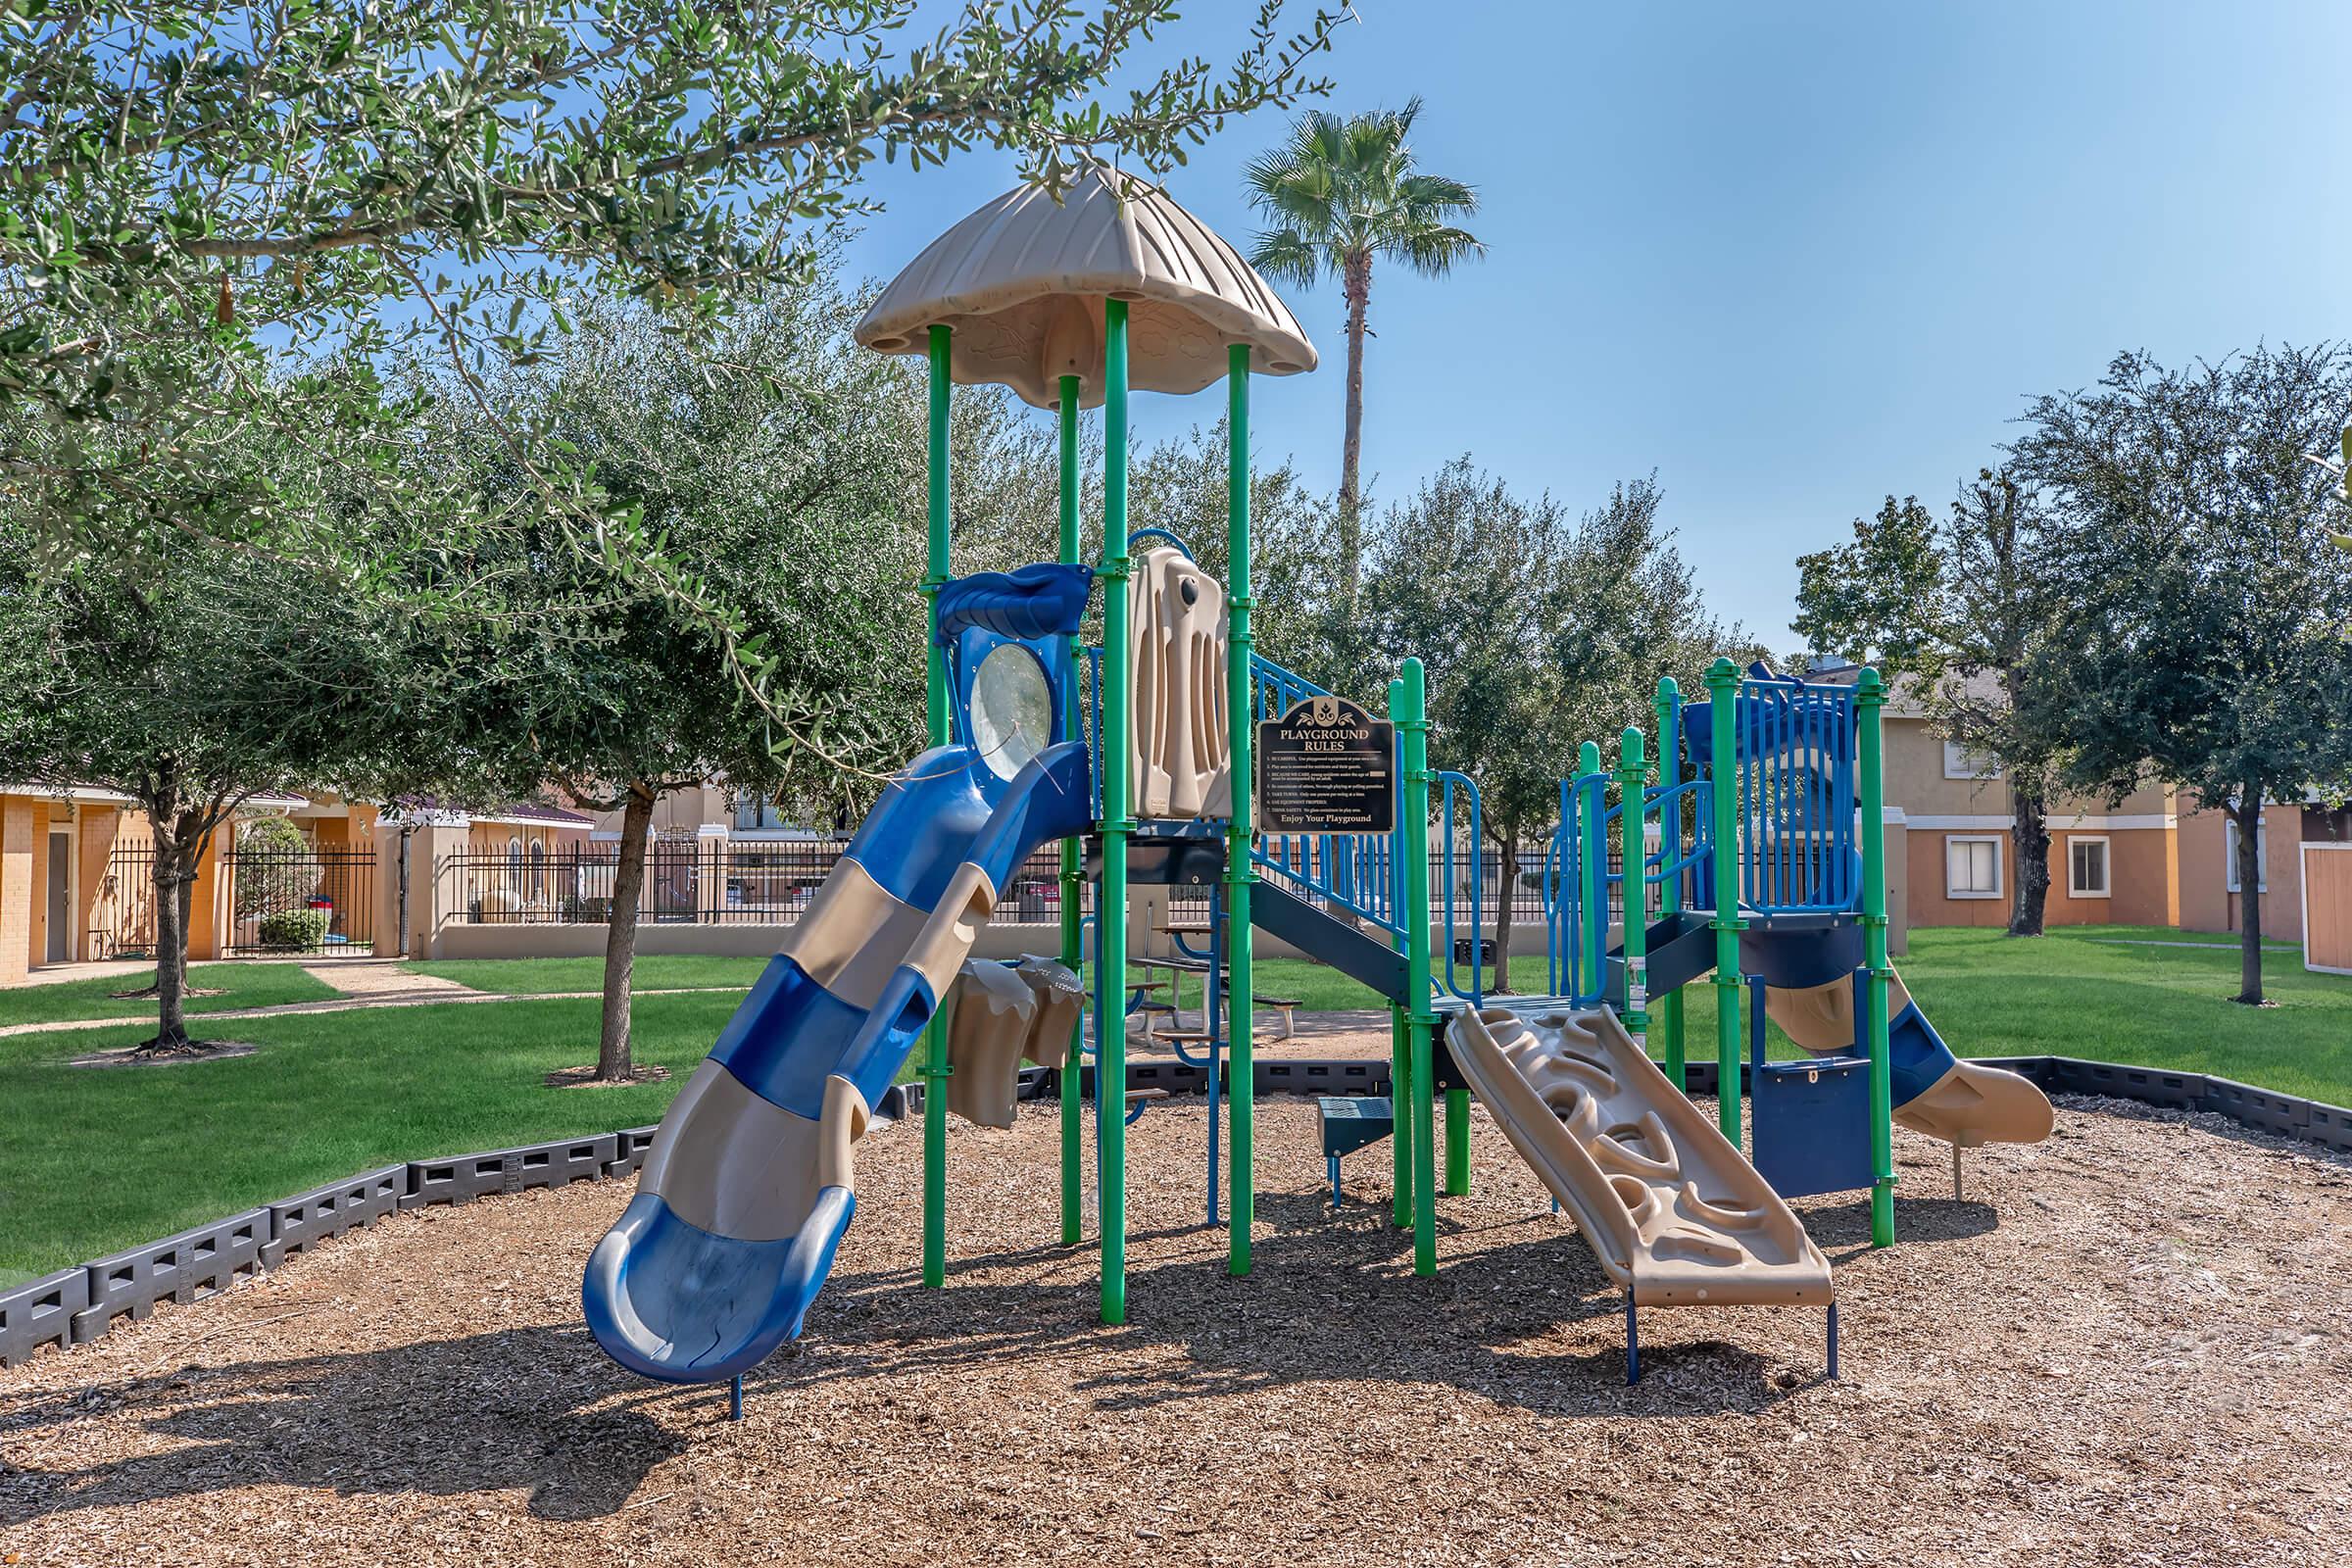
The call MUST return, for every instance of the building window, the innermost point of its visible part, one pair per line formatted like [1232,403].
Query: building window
[1972,866]
[2086,867]
[2262,856]
[538,868]
[514,864]
[754,815]
[1959,763]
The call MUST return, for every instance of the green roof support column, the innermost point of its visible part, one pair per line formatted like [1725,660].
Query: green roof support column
[1723,694]
[1870,698]
[1593,866]
[1632,816]
[935,714]
[1073,857]
[1240,1013]
[1412,726]
[1119,746]
[1669,888]
[1400,1052]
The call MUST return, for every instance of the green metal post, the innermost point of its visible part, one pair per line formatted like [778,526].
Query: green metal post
[1241,1182]
[1633,774]
[1592,861]
[935,713]
[1118,745]
[1457,1140]
[1870,697]
[1073,875]
[1669,888]
[1413,728]
[1401,1056]
[1722,694]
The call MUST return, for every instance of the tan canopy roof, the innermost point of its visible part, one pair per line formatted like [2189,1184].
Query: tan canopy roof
[1023,279]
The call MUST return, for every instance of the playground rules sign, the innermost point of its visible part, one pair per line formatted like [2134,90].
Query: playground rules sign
[1326,767]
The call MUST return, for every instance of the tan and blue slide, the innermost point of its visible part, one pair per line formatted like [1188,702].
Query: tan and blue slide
[1674,1214]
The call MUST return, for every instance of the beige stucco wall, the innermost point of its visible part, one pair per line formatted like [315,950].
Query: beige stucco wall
[19,890]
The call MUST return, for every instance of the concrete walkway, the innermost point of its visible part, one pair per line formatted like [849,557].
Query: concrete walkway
[379,984]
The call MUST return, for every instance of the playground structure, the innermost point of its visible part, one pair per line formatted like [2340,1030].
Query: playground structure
[1136,755]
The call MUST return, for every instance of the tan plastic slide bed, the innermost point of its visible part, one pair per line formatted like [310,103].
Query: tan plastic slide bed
[1674,1213]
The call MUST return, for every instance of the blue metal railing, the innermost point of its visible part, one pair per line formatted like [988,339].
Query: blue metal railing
[1449,785]
[1583,890]
[1797,745]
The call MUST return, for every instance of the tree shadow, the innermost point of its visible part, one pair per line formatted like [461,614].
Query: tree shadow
[1520,1314]
[1331,1298]
[496,1411]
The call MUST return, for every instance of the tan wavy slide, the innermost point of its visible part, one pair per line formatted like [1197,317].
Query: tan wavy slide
[1673,1212]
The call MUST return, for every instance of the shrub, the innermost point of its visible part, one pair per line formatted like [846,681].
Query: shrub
[296,930]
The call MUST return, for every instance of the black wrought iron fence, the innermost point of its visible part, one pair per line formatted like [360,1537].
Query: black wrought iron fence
[123,913]
[284,899]
[705,882]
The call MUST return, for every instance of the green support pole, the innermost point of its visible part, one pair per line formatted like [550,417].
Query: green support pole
[1413,727]
[1073,875]
[935,712]
[1670,889]
[1457,1141]
[1723,693]
[1241,1091]
[1870,698]
[1633,774]
[1401,1057]
[1593,859]
[1110,908]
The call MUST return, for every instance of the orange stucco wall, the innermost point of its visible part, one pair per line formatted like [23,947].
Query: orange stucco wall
[2206,901]
[2141,880]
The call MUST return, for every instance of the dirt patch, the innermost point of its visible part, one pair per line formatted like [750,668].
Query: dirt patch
[586,1078]
[140,1056]
[2130,1345]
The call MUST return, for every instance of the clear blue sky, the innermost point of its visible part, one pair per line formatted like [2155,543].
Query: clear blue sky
[1791,256]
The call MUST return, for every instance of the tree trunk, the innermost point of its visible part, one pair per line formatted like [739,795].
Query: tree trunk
[612,1064]
[172,876]
[2030,839]
[1357,283]
[2247,814]
[1508,884]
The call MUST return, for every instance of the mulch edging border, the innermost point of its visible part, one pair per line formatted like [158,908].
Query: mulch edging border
[77,1305]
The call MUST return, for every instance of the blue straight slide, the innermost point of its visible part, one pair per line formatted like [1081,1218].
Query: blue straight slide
[748,1187]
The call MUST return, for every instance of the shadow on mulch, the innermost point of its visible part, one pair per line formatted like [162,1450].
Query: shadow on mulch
[1331,1298]
[447,1418]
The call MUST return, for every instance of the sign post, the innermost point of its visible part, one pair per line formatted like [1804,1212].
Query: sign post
[1326,767]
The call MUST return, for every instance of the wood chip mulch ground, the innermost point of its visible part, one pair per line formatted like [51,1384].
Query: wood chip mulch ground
[2127,1346]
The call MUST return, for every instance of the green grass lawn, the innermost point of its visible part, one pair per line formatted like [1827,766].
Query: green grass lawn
[241,985]
[332,1093]
[539,977]
[101,1158]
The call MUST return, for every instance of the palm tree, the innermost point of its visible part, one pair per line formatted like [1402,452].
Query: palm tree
[1343,192]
